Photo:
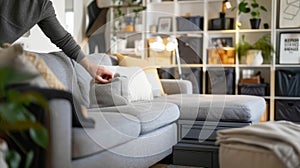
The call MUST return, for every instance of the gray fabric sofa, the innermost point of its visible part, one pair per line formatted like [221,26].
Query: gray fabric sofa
[135,135]
[140,136]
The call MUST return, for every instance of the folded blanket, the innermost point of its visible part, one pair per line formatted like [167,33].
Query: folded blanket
[280,137]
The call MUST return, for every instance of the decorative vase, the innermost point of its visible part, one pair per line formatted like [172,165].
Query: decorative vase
[255,23]
[3,149]
[254,57]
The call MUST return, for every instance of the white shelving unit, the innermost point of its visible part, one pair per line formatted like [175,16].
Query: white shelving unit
[117,30]
[210,9]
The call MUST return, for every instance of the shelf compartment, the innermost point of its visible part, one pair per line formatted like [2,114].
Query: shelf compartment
[287,82]
[287,110]
[220,80]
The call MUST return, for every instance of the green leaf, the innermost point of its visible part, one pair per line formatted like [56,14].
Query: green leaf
[19,126]
[11,112]
[255,14]
[13,159]
[254,5]
[39,136]
[243,7]
[29,158]
[10,75]
[28,97]
[263,8]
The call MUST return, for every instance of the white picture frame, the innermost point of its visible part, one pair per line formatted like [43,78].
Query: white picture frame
[289,16]
[289,48]
[164,24]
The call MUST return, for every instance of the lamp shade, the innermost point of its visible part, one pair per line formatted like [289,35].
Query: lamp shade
[157,45]
[172,43]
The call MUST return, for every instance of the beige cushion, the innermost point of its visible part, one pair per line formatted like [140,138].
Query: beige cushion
[246,156]
[8,54]
[42,68]
[149,68]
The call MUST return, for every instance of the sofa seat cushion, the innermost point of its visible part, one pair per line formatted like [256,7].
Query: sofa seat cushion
[152,115]
[111,129]
[242,108]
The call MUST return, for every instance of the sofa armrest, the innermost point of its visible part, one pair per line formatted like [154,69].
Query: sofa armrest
[173,86]
[60,134]
[58,122]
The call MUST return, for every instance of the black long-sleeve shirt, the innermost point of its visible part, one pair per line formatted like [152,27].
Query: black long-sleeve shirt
[19,16]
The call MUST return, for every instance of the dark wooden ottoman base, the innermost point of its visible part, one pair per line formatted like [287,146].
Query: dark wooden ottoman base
[195,149]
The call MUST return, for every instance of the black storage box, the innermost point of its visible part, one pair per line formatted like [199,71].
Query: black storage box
[195,76]
[287,110]
[221,24]
[252,89]
[220,81]
[288,82]
[190,49]
[189,23]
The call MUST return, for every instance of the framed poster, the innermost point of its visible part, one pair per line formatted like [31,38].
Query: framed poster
[164,24]
[289,48]
[221,42]
[289,16]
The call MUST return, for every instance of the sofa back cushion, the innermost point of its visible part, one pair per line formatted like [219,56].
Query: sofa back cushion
[103,59]
[148,67]
[71,74]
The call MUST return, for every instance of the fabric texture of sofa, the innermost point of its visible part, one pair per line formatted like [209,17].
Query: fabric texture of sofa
[136,134]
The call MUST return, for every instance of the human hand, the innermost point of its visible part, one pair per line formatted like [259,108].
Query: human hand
[103,75]
[99,73]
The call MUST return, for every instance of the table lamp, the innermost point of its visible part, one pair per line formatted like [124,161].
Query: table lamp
[157,45]
[172,45]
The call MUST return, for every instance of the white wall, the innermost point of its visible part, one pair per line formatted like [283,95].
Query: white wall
[37,41]
[80,20]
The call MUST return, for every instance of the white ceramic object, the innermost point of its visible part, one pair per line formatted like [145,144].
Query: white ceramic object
[121,44]
[254,57]
[3,149]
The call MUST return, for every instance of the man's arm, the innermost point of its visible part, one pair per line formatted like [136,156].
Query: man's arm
[57,34]
[62,39]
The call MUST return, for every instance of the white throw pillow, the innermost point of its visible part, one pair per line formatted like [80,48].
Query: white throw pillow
[139,87]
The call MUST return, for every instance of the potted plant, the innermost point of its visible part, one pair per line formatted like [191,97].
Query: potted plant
[121,7]
[254,9]
[263,44]
[18,126]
